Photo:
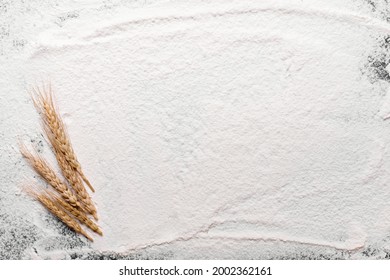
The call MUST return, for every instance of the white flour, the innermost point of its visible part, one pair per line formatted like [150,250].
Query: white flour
[210,123]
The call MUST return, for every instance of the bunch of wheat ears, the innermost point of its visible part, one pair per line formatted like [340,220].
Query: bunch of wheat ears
[67,198]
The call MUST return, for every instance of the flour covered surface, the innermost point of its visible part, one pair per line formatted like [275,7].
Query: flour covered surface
[209,129]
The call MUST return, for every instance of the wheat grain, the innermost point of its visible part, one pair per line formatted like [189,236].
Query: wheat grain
[58,212]
[71,203]
[77,214]
[43,101]
[42,167]
[76,184]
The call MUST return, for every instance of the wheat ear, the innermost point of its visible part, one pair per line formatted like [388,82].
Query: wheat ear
[58,212]
[41,166]
[78,214]
[43,102]
[76,184]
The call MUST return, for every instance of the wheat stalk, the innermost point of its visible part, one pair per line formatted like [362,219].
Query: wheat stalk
[57,211]
[71,203]
[76,184]
[53,124]
[42,167]
[77,214]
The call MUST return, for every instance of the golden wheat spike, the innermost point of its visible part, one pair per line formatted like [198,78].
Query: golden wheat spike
[77,214]
[42,167]
[76,184]
[50,205]
[52,122]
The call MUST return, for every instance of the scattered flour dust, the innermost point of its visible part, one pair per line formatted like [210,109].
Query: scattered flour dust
[251,121]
